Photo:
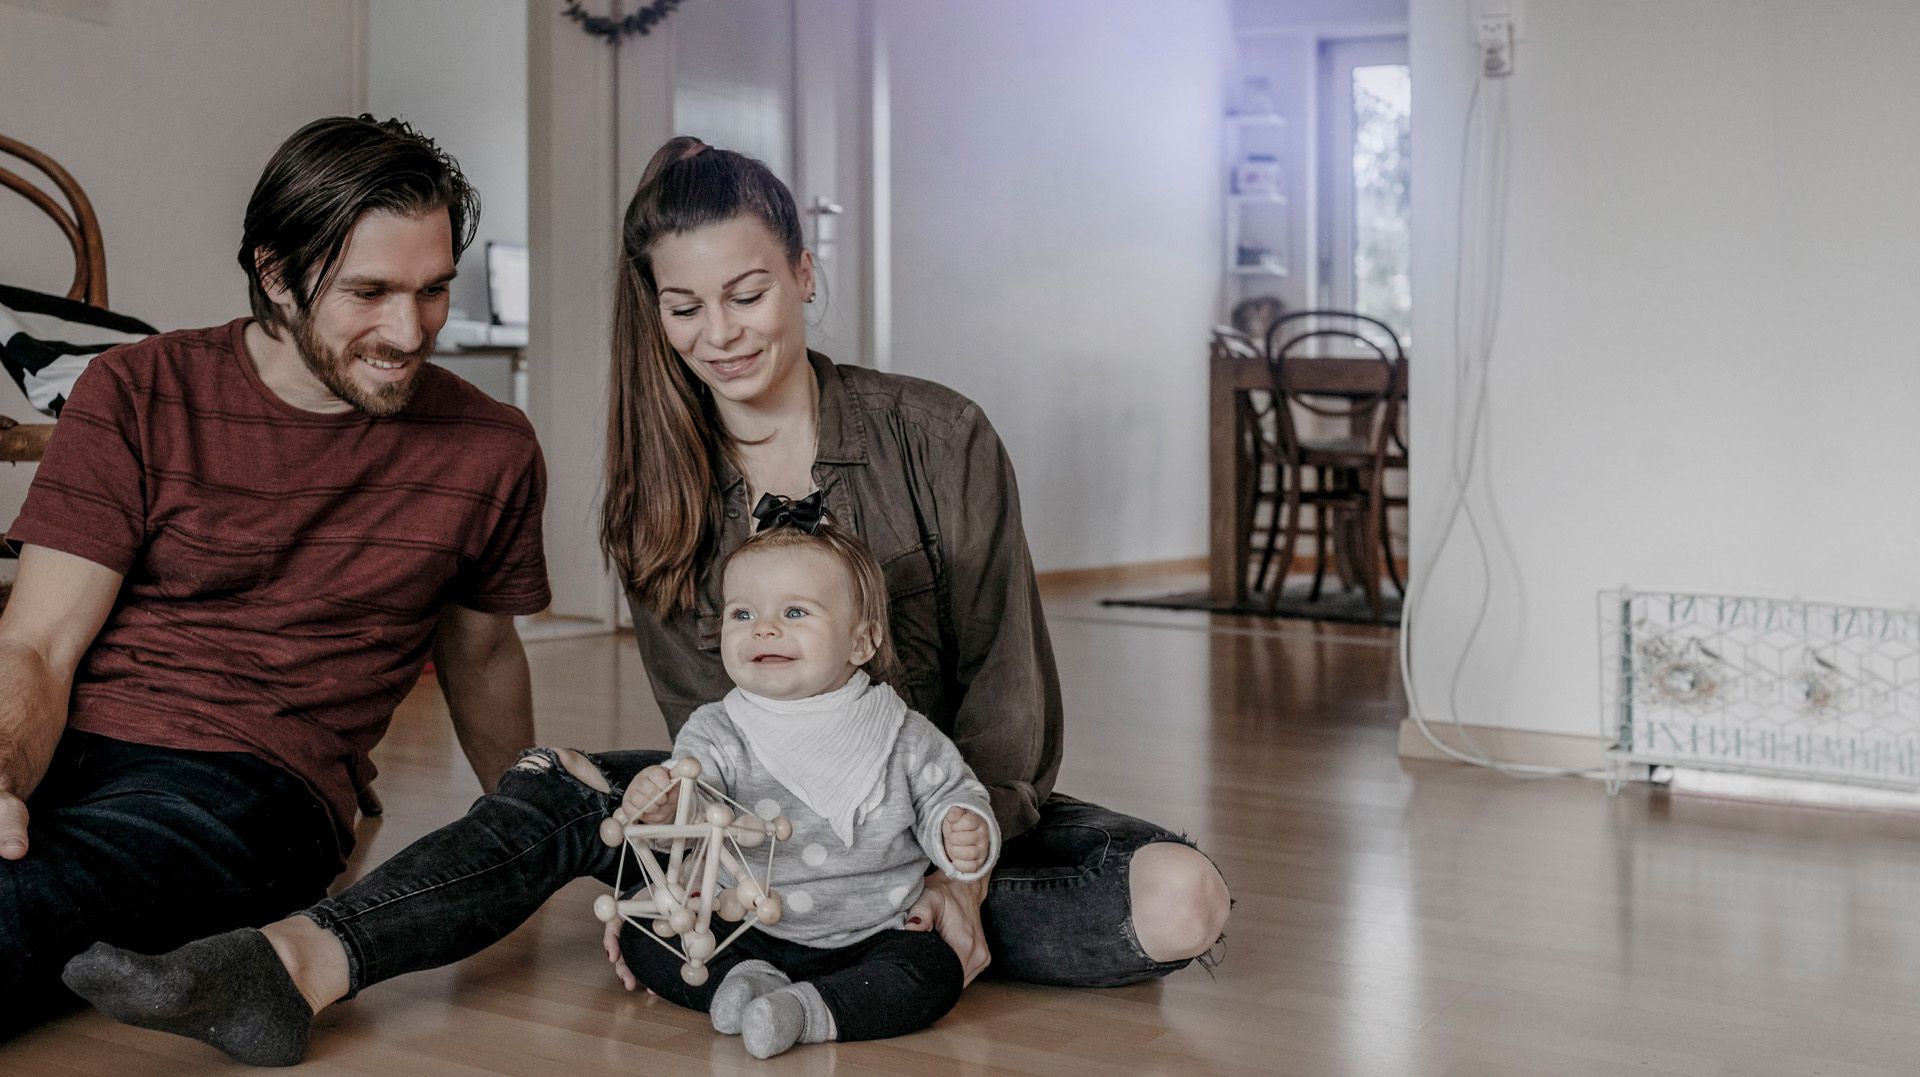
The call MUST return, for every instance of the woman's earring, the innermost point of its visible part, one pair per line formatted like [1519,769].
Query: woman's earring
[809,297]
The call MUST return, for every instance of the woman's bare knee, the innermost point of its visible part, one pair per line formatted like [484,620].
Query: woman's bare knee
[582,768]
[1180,902]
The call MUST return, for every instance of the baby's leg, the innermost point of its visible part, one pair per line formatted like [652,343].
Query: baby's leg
[658,968]
[895,983]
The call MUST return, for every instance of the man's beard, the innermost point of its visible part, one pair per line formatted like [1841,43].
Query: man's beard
[331,368]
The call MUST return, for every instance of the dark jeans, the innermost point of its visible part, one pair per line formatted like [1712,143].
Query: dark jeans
[1057,911]
[148,848]
[889,984]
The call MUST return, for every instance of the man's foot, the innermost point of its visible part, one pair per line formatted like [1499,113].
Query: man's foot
[776,1021]
[748,981]
[227,990]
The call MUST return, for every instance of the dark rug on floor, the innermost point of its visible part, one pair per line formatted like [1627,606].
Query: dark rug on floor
[1340,607]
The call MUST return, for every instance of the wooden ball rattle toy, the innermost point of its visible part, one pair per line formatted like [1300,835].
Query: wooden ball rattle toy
[710,833]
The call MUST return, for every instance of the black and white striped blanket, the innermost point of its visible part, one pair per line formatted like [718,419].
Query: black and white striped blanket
[46,341]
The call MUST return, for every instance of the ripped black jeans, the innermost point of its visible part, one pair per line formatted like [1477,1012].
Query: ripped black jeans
[1057,911]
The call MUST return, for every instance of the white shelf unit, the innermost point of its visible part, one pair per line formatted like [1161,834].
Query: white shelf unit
[1258,228]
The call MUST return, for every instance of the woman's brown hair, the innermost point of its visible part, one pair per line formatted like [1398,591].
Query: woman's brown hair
[665,442]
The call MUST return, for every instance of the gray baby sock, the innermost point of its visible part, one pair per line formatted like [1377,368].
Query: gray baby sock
[226,990]
[778,1020]
[748,981]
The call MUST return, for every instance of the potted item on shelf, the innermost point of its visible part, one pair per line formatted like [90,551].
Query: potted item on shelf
[1255,314]
[1257,173]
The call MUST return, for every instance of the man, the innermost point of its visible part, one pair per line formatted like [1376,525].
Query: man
[241,547]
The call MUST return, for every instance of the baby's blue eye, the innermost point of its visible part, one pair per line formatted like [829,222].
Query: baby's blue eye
[794,613]
[740,615]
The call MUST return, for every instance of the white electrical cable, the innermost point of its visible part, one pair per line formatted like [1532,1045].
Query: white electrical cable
[1484,169]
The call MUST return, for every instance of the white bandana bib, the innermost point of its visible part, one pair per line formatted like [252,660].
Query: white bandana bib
[830,750]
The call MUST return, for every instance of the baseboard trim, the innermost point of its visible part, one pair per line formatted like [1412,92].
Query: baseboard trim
[1109,574]
[1567,750]
[1303,565]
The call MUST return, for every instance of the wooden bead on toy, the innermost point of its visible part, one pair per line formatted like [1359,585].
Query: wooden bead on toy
[686,768]
[782,828]
[698,945]
[719,815]
[749,830]
[730,907]
[681,919]
[769,909]
[662,928]
[606,908]
[612,832]
[694,972]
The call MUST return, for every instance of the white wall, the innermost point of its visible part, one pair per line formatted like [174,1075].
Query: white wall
[1705,377]
[1266,14]
[1056,223]
[164,111]
[165,114]
[457,70]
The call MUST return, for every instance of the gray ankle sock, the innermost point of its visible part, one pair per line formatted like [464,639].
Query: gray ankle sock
[748,981]
[226,990]
[776,1021]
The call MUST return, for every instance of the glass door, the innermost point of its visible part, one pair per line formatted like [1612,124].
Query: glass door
[1366,124]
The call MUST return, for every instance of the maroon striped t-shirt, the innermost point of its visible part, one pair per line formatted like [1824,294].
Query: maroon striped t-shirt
[284,569]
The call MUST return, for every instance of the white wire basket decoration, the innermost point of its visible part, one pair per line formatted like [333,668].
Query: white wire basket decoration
[1760,686]
[710,833]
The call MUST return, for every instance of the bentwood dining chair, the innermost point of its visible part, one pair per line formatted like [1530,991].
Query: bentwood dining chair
[1333,443]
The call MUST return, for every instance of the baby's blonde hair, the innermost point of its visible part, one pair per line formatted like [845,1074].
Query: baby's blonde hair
[866,582]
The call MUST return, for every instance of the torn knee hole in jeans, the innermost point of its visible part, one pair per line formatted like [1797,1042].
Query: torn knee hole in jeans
[578,768]
[537,760]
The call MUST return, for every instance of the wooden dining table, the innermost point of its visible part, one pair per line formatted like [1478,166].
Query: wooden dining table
[1230,377]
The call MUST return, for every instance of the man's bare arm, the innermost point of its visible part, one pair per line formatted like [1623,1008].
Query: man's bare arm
[58,604]
[483,673]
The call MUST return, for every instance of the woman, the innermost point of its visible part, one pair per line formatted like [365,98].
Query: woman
[716,403]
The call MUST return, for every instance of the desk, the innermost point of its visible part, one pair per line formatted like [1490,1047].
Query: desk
[1230,377]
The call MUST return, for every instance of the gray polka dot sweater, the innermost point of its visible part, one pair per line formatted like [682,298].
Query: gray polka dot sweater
[835,895]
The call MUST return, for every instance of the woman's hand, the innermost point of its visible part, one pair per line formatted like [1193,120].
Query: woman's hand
[964,836]
[646,785]
[953,909]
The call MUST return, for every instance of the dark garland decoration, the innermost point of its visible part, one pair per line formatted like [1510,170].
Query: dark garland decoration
[639,22]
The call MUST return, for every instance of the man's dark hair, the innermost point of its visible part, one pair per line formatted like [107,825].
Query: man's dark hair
[316,187]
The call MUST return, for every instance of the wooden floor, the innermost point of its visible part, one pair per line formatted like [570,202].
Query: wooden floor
[1393,918]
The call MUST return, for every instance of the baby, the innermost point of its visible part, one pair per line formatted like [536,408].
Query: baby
[873,790]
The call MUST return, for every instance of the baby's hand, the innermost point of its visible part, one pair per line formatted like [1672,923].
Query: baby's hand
[963,834]
[646,785]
